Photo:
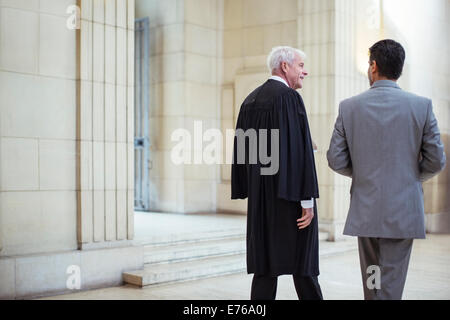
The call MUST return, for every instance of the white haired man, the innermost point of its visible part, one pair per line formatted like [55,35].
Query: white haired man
[282,229]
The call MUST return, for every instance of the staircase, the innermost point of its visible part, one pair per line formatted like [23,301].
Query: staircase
[193,256]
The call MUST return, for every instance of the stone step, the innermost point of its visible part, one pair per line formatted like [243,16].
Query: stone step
[201,257]
[193,250]
[185,237]
[189,249]
[191,237]
[153,274]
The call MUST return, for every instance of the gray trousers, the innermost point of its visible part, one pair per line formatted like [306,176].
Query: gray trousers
[391,258]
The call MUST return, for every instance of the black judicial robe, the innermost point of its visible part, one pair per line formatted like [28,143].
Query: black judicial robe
[275,245]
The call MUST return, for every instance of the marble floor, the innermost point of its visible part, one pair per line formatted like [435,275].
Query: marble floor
[428,278]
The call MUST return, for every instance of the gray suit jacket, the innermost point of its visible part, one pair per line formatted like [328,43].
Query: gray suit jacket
[387,140]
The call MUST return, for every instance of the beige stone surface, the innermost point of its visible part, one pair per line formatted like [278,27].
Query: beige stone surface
[200,40]
[7,278]
[57,47]
[121,198]
[199,68]
[121,114]
[427,279]
[121,14]
[108,115]
[102,261]
[233,46]
[110,215]
[34,273]
[130,114]
[98,11]
[111,12]
[231,66]
[37,274]
[86,56]
[199,196]
[121,165]
[87,10]
[19,164]
[21,4]
[98,152]
[110,53]
[57,164]
[167,98]
[19,39]
[85,154]
[19,220]
[130,214]
[121,56]
[207,17]
[160,13]
[84,117]
[131,11]
[99,215]
[167,195]
[201,100]
[36,222]
[110,166]
[98,49]
[85,208]
[167,39]
[168,67]
[161,131]
[57,228]
[224,202]
[48,110]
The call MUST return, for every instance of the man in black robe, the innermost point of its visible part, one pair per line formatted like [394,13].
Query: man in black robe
[282,228]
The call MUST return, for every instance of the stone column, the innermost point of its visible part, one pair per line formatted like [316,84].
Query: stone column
[336,36]
[105,123]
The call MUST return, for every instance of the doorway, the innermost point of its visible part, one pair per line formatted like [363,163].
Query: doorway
[142,133]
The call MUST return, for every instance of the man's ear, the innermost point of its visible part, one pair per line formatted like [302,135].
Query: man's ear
[374,67]
[284,66]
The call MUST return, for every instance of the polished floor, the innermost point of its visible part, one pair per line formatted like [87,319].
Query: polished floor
[428,276]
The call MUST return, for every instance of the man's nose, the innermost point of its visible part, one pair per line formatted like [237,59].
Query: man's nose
[305,73]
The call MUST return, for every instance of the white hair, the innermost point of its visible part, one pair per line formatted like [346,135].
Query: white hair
[282,54]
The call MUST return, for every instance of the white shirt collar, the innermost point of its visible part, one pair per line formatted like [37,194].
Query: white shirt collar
[277,78]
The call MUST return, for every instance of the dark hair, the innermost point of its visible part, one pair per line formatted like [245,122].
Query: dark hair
[390,57]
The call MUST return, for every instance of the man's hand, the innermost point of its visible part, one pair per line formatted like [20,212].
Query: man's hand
[305,220]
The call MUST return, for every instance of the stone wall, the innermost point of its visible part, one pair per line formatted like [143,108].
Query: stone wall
[38,87]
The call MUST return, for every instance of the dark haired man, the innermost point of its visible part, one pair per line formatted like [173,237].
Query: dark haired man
[387,140]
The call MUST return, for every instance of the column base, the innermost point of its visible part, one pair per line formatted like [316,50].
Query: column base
[334,230]
[437,222]
[32,276]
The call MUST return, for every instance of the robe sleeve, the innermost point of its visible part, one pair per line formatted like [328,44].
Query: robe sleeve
[297,179]
[239,187]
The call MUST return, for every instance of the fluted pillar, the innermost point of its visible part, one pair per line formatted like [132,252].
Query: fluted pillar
[105,123]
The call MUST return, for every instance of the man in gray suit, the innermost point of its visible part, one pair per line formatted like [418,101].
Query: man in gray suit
[387,140]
